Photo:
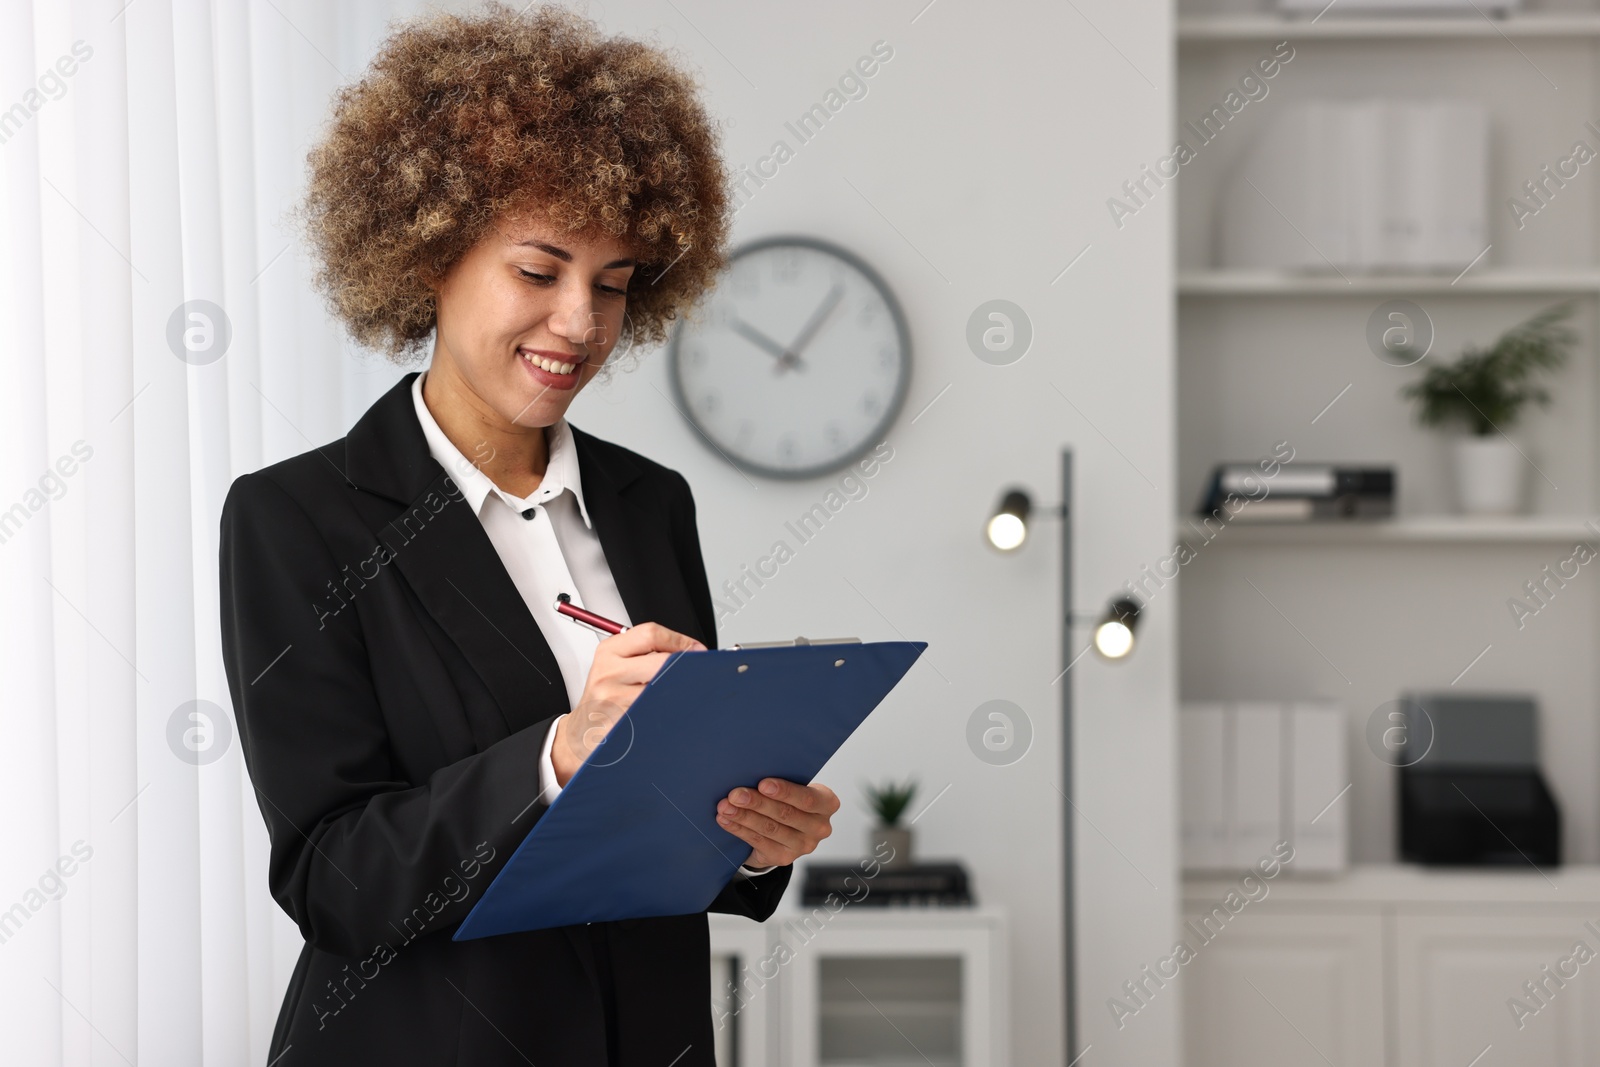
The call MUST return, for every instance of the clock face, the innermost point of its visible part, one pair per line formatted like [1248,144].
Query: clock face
[796,363]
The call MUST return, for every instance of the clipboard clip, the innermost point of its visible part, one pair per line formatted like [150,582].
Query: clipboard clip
[796,641]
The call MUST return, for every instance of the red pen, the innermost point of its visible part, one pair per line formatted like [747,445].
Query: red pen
[565,606]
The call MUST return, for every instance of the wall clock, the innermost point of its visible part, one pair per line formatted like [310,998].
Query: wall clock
[796,363]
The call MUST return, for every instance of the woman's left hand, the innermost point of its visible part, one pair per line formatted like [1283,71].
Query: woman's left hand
[779,820]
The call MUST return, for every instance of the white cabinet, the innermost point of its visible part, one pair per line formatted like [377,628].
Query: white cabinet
[1286,990]
[862,986]
[1460,979]
[1397,967]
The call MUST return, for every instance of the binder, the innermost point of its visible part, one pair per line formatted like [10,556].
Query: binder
[1299,492]
[634,832]
[1205,783]
[1315,758]
[1256,773]
[1257,808]
[1373,184]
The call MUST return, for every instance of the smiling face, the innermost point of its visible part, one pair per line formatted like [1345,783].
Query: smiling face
[526,318]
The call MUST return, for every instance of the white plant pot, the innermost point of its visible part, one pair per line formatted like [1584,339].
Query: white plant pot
[890,845]
[1490,475]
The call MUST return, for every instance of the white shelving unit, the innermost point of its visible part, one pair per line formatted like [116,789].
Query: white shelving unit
[1359,613]
[1392,965]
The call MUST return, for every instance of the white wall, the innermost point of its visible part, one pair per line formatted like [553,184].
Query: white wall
[983,152]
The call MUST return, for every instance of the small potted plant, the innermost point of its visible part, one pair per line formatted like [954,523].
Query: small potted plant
[1484,393]
[889,803]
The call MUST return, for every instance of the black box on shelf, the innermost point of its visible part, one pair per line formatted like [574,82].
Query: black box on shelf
[1479,819]
[1471,793]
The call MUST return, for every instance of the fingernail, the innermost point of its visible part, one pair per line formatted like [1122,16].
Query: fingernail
[741,796]
[724,820]
[770,788]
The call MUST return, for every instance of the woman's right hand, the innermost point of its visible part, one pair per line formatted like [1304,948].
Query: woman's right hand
[623,663]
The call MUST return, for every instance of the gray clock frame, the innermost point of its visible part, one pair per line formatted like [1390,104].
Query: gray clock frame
[891,410]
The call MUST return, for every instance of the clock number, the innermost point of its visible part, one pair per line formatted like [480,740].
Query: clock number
[871,404]
[710,402]
[869,313]
[787,447]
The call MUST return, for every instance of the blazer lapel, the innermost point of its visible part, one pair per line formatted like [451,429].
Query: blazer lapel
[441,548]
[457,574]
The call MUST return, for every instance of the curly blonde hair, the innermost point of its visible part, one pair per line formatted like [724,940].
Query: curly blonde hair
[461,119]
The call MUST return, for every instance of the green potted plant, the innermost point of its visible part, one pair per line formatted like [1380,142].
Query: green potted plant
[1484,393]
[889,803]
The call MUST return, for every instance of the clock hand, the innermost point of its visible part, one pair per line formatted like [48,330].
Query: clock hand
[756,337]
[814,324]
[786,358]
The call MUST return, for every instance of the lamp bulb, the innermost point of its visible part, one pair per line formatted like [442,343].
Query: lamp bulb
[1007,531]
[1113,639]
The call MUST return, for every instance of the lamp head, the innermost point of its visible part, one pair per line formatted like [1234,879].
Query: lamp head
[1008,526]
[1114,633]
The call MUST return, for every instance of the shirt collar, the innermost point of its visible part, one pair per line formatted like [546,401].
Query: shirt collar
[561,470]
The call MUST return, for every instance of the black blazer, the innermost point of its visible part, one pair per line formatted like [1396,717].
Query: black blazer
[393,693]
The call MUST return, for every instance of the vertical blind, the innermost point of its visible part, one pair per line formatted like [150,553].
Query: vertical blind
[160,337]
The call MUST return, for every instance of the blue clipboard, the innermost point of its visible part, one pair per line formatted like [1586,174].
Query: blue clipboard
[634,833]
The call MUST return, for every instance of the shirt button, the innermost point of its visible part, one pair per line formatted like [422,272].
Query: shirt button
[530,513]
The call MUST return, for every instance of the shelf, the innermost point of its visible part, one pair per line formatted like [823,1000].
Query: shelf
[879,1006]
[1284,283]
[1431,529]
[1264,27]
[1427,887]
[895,917]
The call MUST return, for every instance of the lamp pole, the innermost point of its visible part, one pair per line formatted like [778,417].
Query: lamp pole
[1068,928]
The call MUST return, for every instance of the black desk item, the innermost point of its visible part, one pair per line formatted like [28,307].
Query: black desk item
[1471,793]
[866,884]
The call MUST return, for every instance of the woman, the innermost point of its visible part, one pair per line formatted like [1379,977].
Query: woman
[501,190]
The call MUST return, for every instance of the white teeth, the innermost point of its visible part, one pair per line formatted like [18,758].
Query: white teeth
[547,364]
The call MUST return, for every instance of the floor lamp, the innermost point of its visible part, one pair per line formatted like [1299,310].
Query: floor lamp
[1113,640]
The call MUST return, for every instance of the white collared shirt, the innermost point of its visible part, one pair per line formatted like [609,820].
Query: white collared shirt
[548,545]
